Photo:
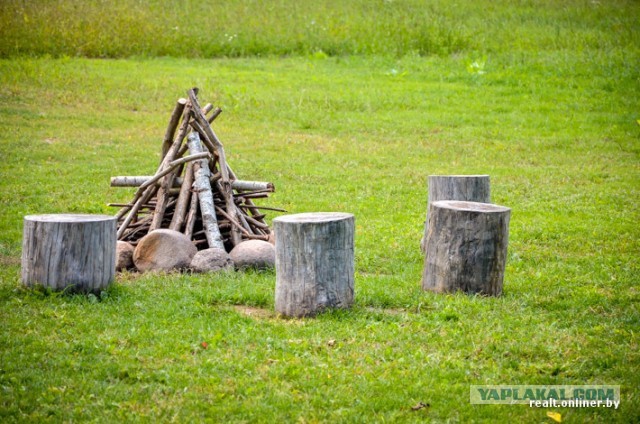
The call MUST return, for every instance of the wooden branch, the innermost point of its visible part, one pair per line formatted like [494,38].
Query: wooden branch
[173,124]
[173,165]
[183,200]
[144,221]
[243,221]
[232,211]
[258,237]
[240,185]
[215,114]
[130,180]
[167,158]
[202,187]
[248,202]
[225,183]
[148,189]
[167,181]
[202,121]
[254,195]
[256,222]
[207,108]
[143,198]
[253,186]
[192,215]
[266,208]
[235,223]
[122,205]
[204,137]
[260,218]
[183,150]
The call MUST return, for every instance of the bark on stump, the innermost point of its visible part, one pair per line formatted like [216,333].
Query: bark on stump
[466,247]
[74,251]
[470,188]
[314,262]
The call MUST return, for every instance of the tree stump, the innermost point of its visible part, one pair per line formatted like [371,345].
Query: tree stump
[466,247]
[314,262]
[471,188]
[74,251]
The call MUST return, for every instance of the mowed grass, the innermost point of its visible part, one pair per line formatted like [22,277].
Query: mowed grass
[555,127]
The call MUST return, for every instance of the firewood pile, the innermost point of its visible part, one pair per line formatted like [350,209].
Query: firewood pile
[194,190]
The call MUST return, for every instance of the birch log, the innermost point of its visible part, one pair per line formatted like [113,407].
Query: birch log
[242,185]
[69,251]
[472,188]
[466,247]
[314,262]
[202,188]
[148,189]
[225,182]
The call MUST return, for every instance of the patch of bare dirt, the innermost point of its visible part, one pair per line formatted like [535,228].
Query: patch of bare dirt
[254,312]
[9,260]
[388,311]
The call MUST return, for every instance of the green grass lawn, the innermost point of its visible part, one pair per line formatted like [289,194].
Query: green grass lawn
[549,110]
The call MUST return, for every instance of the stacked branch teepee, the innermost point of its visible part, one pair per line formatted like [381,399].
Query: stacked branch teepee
[194,190]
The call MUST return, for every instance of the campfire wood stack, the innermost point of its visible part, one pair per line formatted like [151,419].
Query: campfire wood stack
[194,190]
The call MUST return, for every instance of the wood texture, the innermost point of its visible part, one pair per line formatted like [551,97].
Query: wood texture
[166,199]
[167,181]
[471,188]
[225,183]
[466,247]
[138,180]
[202,188]
[314,262]
[184,198]
[148,189]
[174,120]
[69,251]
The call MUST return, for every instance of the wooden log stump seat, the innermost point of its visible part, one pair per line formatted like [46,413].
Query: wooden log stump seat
[466,247]
[69,251]
[471,188]
[314,262]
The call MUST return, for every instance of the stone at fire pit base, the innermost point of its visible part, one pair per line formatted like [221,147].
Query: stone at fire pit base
[211,260]
[124,256]
[164,250]
[254,254]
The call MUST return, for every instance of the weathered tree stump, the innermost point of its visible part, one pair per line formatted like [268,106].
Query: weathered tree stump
[314,262]
[466,247]
[471,188]
[69,251]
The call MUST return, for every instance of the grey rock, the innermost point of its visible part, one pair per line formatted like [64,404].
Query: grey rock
[164,250]
[254,254]
[124,256]
[211,260]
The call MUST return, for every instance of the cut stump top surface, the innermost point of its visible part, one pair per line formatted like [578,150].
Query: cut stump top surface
[470,206]
[314,217]
[69,217]
[459,176]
